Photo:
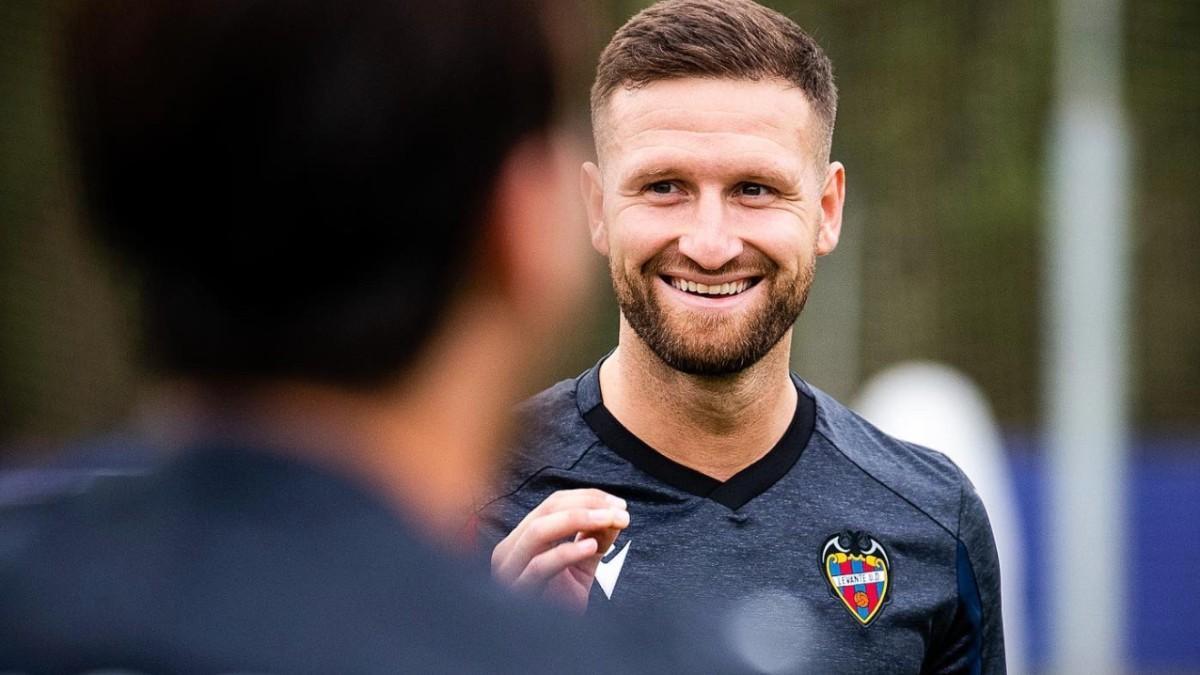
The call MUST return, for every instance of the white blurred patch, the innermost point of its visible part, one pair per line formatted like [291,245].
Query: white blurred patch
[770,630]
[934,405]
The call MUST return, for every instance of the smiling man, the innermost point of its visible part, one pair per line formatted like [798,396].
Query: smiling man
[690,464]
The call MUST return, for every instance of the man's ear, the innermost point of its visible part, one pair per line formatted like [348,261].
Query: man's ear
[833,198]
[591,187]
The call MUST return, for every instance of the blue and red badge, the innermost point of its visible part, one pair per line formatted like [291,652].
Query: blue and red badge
[859,573]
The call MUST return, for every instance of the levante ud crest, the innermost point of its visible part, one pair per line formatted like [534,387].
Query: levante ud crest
[859,573]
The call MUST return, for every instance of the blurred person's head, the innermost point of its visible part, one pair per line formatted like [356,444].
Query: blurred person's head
[362,198]
[304,185]
[713,193]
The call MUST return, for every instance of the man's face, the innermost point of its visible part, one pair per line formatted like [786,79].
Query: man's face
[712,206]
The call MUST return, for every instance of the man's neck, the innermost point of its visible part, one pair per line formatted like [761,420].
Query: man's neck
[715,425]
[426,445]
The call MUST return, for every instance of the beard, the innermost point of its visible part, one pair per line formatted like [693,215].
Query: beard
[709,343]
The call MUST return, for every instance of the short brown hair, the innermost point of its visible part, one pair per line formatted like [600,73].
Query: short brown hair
[734,39]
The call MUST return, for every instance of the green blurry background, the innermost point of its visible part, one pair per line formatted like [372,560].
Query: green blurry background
[942,125]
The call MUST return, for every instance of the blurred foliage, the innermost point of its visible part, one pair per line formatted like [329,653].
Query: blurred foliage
[942,127]
[65,346]
[1163,93]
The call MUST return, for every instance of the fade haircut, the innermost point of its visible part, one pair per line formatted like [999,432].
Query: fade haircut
[719,39]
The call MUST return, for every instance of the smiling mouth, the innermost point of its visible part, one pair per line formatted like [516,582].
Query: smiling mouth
[711,290]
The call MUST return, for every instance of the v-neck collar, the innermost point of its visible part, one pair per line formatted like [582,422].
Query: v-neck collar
[732,493]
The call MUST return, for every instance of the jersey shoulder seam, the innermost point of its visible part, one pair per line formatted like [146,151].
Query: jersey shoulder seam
[894,491]
[538,472]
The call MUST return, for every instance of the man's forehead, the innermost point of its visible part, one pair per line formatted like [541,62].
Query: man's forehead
[770,109]
[664,161]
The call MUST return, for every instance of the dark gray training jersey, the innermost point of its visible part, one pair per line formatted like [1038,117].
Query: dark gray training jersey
[842,549]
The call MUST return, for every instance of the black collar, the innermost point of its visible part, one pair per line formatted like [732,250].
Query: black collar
[733,493]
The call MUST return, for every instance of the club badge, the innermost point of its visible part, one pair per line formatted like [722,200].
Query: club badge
[859,573]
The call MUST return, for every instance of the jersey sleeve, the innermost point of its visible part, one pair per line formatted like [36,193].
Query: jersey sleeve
[974,640]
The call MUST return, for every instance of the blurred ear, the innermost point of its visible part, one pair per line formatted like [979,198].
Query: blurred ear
[535,254]
[833,197]
[591,186]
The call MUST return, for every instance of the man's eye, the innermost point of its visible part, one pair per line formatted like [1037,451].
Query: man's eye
[754,190]
[663,187]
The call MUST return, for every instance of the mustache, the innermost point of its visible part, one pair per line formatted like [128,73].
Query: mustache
[750,262]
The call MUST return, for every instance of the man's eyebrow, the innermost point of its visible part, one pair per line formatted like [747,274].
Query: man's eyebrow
[770,175]
[758,173]
[649,173]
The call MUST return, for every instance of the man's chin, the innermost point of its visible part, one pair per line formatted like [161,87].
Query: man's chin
[707,360]
[708,369]
[711,366]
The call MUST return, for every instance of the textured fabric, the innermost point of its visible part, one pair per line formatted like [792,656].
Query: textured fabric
[929,599]
[241,561]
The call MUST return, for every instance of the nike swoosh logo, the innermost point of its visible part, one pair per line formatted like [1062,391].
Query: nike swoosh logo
[607,572]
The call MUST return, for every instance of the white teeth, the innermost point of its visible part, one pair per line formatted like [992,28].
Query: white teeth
[728,288]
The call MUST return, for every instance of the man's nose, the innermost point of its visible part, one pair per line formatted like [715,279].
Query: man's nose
[709,241]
